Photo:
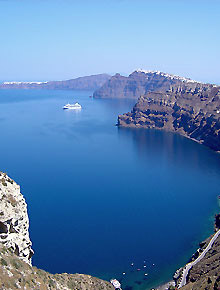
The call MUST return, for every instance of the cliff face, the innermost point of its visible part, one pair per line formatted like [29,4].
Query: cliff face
[82,83]
[191,109]
[14,222]
[138,83]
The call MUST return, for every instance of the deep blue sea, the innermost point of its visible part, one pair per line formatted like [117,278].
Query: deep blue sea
[100,197]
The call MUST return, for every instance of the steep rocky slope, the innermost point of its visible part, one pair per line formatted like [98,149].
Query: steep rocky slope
[191,109]
[206,273]
[16,271]
[92,82]
[138,83]
[14,222]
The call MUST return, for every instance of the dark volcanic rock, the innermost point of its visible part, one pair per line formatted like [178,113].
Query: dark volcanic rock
[138,83]
[217,221]
[191,109]
[121,87]
[82,83]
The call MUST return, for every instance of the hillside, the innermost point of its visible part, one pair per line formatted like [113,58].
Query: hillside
[90,83]
[138,83]
[206,273]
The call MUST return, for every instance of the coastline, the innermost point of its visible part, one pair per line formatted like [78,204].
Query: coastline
[165,286]
[206,241]
[206,251]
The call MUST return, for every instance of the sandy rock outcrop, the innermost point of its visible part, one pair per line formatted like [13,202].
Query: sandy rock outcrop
[14,221]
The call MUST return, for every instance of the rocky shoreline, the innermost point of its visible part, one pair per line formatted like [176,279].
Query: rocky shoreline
[205,274]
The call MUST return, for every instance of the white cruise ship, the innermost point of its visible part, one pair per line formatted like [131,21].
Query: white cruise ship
[75,106]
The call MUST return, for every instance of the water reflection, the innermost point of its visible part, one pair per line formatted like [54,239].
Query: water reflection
[172,148]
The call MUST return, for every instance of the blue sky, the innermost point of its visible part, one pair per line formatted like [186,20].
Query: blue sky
[54,40]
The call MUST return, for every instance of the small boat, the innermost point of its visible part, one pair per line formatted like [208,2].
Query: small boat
[219,197]
[116,283]
[75,106]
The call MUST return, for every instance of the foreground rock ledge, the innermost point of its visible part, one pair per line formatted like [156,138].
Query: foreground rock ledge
[16,274]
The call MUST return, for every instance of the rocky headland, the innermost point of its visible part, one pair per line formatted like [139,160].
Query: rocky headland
[16,270]
[169,102]
[89,83]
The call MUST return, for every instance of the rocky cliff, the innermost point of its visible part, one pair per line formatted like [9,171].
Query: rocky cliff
[92,83]
[16,271]
[138,83]
[14,222]
[189,108]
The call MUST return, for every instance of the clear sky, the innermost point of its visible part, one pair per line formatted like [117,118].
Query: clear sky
[62,39]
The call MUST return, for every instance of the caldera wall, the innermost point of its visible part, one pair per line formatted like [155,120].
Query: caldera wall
[191,110]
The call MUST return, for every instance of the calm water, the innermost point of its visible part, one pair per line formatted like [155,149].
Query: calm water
[100,197]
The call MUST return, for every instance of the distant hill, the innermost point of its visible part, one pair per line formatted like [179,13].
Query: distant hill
[91,83]
[138,83]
